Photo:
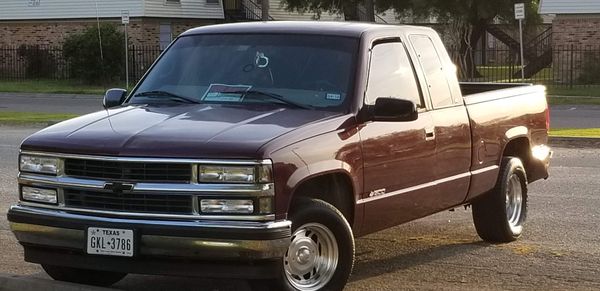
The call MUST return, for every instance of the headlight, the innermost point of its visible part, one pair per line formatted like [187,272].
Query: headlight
[38,164]
[234,174]
[38,195]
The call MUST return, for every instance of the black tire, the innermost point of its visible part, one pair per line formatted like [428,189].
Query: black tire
[491,213]
[83,276]
[306,215]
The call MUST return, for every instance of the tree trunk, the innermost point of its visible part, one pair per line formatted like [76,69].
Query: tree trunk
[350,13]
[369,10]
[468,47]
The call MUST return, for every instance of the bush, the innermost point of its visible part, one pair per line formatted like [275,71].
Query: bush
[40,62]
[82,51]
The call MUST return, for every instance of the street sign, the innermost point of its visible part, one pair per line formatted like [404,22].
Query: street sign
[520,15]
[519,11]
[125,16]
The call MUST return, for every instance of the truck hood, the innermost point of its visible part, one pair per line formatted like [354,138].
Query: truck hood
[191,131]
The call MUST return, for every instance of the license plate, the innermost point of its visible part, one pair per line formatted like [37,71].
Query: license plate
[110,241]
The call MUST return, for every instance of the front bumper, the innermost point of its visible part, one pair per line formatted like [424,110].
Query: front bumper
[167,247]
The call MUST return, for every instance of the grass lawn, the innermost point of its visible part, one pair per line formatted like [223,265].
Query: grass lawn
[573,101]
[575,132]
[53,86]
[575,91]
[32,117]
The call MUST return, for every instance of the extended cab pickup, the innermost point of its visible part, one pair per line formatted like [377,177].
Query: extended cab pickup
[261,150]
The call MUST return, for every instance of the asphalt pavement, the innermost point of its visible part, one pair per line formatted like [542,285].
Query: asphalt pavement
[561,116]
[575,116]
[560,249]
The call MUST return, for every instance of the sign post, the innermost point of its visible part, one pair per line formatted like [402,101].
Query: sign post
[520,15]
[125,22]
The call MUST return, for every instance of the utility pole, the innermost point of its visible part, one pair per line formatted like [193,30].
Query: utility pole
[265,10]
[125,22]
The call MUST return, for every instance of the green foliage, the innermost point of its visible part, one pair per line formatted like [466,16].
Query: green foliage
[473,11]
[41,63]
[82,51]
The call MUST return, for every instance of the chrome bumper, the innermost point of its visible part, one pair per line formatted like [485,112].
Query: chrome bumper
[213,240]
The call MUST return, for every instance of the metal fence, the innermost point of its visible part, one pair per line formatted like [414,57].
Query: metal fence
[560,66]
[564,66]
[45,62]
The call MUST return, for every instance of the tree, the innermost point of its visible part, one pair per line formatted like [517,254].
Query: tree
[347,7]
[82,51]
[467,19]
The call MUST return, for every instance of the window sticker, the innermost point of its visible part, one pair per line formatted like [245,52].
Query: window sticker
[225,93]
[333,96]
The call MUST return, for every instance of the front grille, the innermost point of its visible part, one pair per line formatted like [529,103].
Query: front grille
[129,171]
[130,202]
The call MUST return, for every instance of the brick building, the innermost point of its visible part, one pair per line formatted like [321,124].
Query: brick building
[577,22]
[152,22]
[575,39]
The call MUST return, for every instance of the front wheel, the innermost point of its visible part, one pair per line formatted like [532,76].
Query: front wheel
[83,276]
[499,215]
[321,251]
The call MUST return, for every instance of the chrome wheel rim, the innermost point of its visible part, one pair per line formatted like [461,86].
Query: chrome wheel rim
[514,202]
[311,258]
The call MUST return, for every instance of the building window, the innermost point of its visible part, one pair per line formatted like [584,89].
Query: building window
[212,1]
[33,3]
[165,35]
[172,1]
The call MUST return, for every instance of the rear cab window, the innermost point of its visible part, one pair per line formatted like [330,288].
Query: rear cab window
[434,71]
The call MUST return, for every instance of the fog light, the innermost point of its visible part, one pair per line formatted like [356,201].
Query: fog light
[222,206]
[38,195]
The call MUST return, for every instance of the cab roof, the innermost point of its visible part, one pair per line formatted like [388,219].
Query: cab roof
[347,29]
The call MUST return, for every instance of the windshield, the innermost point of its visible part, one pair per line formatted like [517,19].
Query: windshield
[302,71]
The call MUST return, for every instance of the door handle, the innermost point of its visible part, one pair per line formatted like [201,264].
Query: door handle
[429,134]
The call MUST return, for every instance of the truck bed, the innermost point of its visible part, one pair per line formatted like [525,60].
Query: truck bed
[499,114]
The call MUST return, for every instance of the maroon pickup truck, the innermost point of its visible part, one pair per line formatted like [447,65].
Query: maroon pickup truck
[261,150]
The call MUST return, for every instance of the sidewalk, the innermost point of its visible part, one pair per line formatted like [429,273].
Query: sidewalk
[50,103]
[47,95]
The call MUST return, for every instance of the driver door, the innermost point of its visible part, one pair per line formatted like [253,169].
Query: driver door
[399,157]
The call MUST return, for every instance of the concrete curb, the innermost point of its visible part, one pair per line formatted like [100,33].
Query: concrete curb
[28,283]
[574,142]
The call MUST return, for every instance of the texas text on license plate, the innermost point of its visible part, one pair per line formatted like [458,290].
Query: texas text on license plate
[110,241]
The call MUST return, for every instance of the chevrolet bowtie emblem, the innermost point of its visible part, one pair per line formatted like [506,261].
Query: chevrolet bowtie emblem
[118,187]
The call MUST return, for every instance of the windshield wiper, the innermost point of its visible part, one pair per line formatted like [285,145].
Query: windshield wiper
[172,96]
[272,96]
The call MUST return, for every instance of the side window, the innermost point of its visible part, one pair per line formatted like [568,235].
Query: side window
[391,74]
[433,69]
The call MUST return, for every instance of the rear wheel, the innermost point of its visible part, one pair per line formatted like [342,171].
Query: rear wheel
[499,215]
[83,276]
